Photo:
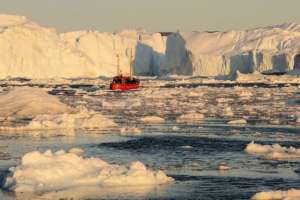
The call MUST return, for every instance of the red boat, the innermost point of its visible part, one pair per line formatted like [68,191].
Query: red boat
[124,83]
[121,82]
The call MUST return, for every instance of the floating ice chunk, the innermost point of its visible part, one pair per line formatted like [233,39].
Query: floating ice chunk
[194,94]
[247,78]
[113,104]
[273,152]
[238,121]
[275,121]
[84,119]
[175,128]
[267,95]
[52,171]
[130,131]
[190,117]
[228,111]
[245,94]
[224,167]
[28,102]
[47,112]
[135,104]
[223,100]
[186,147]
[152,119]
[292,194]
[253,148]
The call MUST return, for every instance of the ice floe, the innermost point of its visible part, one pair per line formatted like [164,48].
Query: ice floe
[47,112]
[130,131]
[273,152]
[291,194]
[223,167]
[52,171]
[190,117]
[152,119]
[238,121]
[28,102]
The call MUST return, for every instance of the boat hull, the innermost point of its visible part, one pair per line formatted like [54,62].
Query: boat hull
[126,86]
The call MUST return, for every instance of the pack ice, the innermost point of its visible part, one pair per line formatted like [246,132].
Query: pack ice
[292,194]
[46,112]
[30,50]
[54,171]
[273,152]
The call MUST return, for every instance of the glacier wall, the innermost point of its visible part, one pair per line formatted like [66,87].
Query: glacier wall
[30,50]
[102,48]
[267,50]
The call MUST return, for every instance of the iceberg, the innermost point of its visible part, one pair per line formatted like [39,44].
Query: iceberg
[45,53]
[291,194]
[47,112]
[48,54]
[44,172]
[273,152]
[268,50]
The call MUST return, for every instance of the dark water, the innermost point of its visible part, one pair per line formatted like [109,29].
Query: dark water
[195,168]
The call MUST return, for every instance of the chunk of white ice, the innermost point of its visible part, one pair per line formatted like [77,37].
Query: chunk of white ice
[52,171]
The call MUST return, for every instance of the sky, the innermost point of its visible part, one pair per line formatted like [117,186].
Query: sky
[155,15]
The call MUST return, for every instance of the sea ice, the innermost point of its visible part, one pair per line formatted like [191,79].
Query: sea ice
[224,167]
[52,171]
[47,112]
[273,152]
[190,117]
[130,131]
[30,102]
[238,121]
[292,194]
[152,119]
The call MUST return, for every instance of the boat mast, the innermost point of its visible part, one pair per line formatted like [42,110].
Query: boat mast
[117,55]
[118,64]
[131,64]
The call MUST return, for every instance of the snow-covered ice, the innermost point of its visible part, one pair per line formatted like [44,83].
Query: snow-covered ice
[152,119]
[224,167]
[292,194]
[238,121]
[29,102]
[130,131]
[204,149]
[185,118]
[47,54]
[267,49]
[273,152]
[51,171]
[47,112]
